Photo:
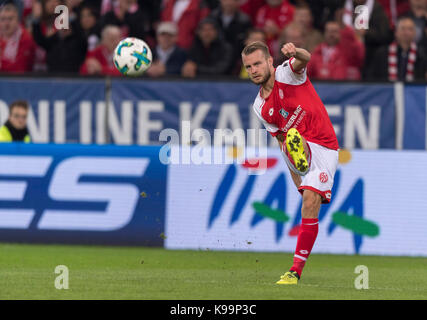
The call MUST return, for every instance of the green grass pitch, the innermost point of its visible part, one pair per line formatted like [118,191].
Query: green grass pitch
[95,272]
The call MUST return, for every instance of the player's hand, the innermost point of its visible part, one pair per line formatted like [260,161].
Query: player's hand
[289,50]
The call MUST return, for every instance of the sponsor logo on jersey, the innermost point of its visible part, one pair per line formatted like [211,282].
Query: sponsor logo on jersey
[270,112]
[292,119]
[284,113]
[281,94]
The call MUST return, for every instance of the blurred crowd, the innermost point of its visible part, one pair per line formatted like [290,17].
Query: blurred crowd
[192,38]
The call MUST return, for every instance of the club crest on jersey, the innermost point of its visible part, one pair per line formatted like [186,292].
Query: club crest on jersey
[281,93]
[270,112]
[323,177]
[284,113]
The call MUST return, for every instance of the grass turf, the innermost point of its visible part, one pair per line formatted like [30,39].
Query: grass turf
[27,272]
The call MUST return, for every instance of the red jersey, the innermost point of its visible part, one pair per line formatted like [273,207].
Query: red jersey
[281,15]
[343,61]
[188,22]
[17,53]
[294,103]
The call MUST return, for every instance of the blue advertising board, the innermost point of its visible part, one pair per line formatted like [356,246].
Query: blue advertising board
[367,118]
[82,194]
[414,134]
[61,108]
[363,115]
[135,111]
[215,104]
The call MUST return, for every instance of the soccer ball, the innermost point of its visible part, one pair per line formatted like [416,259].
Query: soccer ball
[132,57]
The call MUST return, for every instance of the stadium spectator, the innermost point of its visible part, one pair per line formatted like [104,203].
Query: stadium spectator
[304,19]
[99,61]
[378,32]
[128,17]
[73,8]
[323,11]
[152,10]
[17,48]
[15,128]
[272,18]
[65,48]
[19,4]
[107,6]
[44,12]
[253,35]
[291,33]
[402,60]
[251,7]
[27,6]
[153,7]
[418,13]
[186,14]
[212,4]
[89,18]
[339,57]
[234,26]
[168,58]
[147,11]
[209,55]
[394,9]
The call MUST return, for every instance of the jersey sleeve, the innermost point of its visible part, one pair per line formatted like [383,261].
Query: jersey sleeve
[285,73]
[270,127]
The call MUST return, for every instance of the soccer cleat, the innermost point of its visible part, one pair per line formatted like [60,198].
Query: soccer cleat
[295,148]
[290,277]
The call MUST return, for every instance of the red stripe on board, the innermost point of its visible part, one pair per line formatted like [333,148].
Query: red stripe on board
[259,164]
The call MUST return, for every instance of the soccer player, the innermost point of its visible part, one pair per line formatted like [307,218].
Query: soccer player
[291,111]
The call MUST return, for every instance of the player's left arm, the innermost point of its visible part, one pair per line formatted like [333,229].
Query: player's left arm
[300,55]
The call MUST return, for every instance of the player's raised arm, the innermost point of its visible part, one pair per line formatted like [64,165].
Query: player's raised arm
[302,56]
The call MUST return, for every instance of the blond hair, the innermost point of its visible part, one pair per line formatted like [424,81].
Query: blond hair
[254,46]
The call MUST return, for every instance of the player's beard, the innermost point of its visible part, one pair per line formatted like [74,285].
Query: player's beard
[263,79]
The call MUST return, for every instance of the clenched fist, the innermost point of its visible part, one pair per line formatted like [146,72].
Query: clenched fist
[289,50]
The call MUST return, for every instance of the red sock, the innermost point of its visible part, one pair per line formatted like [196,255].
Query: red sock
[306,238]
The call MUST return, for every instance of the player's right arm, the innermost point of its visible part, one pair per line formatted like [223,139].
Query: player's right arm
[300,55]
